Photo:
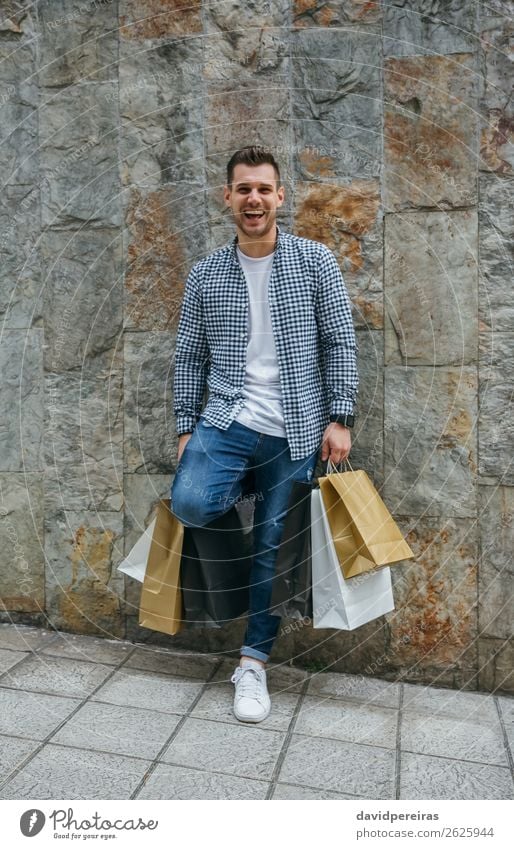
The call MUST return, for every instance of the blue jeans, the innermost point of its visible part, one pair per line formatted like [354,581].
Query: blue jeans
[209,480]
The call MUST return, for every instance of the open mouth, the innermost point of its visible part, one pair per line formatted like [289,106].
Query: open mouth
[253,216]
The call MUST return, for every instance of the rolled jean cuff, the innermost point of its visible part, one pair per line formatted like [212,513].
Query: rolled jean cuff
[248,651]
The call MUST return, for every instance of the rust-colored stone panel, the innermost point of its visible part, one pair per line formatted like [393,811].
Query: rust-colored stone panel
[435,618]
[308,13]
[429,130]
[346,219]
[159,18]
[160,251]
[497,126]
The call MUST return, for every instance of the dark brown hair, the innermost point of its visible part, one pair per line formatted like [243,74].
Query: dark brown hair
[251,155]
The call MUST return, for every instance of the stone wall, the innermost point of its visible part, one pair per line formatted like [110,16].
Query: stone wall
[393,125]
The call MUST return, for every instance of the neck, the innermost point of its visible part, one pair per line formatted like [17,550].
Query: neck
[259,247]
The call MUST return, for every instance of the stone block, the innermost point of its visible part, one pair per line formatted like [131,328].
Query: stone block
[425,777]
[150,437]
[430,127]
[22,567]
[18,116]
[368,433]
[21,400]
[347,219]
[496,245]
[430,440]
[496,523]
[335,13]
[20,304]
[33,715]
[355,723]
[431,288]
[57,676]
[496,408]
[179,782]
[495,75]
[496,664]
[79,157]
[337,108]
[149,19]
[149,691]
[78,43]
[418,27]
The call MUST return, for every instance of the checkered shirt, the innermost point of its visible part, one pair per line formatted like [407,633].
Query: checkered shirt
[314,338]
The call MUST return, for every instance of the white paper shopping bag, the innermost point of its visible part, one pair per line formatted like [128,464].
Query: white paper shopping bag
[340,603]
[135,562]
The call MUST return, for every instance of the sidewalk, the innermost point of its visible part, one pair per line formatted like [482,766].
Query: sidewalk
[87,718]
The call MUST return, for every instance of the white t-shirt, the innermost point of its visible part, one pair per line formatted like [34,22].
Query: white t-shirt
[262,409]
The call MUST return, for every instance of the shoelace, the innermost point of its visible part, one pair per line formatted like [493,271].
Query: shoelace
[248,686]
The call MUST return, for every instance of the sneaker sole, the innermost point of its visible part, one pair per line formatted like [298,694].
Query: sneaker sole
[251,718]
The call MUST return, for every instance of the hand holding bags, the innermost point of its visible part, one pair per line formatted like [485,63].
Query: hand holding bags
[365,534]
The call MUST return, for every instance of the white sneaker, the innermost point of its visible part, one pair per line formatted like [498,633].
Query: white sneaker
[251,700]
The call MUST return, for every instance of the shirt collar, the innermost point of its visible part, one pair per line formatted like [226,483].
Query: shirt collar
[278,244]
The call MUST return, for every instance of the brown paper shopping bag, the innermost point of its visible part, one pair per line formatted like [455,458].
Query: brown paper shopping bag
[364,532]
[161,597]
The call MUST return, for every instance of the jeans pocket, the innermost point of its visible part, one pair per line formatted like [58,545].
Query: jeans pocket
[205,423]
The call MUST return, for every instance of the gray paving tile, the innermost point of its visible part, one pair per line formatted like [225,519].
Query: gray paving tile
[460,704]
[178,782]
[172,663]
[424,777]
[290,792]
[351,721]
[365,771]
[240,749]
[57,675]
[280,678]
[12,752]
[123,730]
[32,715]
[92,649]
[61,773]
[23,637]
[9,657]
[217,701]
[356,688]
[453,738]
[507,712]
[149,690]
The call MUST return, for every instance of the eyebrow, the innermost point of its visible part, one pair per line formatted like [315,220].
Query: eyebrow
[242,184]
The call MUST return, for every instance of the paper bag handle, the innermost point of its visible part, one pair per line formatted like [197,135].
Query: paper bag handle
[332,467]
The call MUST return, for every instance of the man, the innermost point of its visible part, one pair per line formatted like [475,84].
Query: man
[266,325]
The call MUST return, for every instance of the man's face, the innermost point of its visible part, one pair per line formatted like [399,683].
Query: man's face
[254,198]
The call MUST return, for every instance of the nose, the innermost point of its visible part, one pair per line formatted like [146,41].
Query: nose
[253,197]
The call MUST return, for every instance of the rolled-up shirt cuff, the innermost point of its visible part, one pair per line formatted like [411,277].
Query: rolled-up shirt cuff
[185,424]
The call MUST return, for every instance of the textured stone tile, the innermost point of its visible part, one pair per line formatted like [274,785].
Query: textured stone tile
[23,637]
[337,766]
[78,42]
[431,288]
[178,782]
[434,623]
[84,591]
[429,131]
[79,157]
[425,777]
[88,648]
[462,739]
[141,19]
[150,691]
[497,122]
[418,27]
[161,87]
[370,691]
[496,231]
[21,527]
[450,704]
[13,752]
[338,104]
[58,676]
[335,13]
[367,436]
[18,115]
[118,729]
[235,749]
[21,400]
[58,772]
[291,791]
[166,236]
[496,408]
[496,665]
[496,602]
[9,658]
[430,445]
[150,438]
[347,220]
[33,715]
[82,296]
[507,712]
[217,704]
[20,304]
[189,665]
[350,721]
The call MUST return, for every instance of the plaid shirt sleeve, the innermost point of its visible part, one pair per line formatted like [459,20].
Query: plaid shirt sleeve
[191,358]
[337,335]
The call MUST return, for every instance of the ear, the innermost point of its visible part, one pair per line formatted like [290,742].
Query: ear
[227,194]
[281,192]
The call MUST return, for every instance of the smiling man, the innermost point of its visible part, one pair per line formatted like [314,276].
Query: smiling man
[266,326]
